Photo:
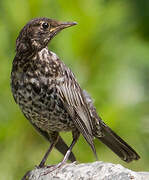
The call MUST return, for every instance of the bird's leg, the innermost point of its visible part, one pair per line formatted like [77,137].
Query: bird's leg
[46,155]
[76,135]
[54,138]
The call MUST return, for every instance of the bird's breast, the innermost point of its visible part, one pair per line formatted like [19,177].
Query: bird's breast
[39,101]
[34,86]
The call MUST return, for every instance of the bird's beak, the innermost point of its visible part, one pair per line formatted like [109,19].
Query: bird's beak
[64,25]
[59,26]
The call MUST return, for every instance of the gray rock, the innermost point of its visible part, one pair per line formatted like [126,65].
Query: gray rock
[89,171]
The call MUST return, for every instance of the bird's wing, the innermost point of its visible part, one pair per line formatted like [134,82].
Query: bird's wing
[73,100]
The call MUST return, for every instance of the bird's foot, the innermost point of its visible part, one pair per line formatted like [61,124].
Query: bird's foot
[52,168]
[39,166]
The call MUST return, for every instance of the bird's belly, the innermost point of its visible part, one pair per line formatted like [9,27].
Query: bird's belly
[45,110]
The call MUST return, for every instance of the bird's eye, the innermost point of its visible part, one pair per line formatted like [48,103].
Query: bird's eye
[45,25]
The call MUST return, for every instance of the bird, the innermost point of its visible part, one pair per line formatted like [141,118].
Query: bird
[50,97]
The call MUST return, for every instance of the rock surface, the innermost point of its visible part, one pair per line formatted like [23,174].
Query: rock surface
[89,171]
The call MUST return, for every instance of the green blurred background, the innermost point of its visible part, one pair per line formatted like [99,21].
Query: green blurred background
[109,53]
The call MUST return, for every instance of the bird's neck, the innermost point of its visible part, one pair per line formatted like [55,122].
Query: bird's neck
[27,49]
[48,57]
[44,58]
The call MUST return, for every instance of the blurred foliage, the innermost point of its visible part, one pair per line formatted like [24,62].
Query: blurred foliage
[109,53]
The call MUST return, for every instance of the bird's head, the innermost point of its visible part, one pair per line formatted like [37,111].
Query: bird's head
[37,33]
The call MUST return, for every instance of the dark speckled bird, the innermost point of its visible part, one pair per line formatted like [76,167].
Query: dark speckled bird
[51,98]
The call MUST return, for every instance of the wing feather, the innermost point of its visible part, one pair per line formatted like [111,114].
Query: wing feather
[74,101]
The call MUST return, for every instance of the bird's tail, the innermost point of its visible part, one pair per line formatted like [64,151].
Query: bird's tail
[108,137]
[117,144]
